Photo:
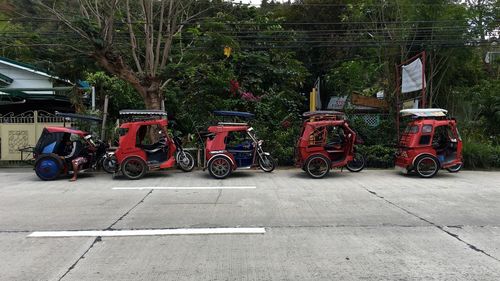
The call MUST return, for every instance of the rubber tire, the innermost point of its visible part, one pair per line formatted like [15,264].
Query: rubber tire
[359,169]
[313,157]
[144,168]
[59,162]
[210,167]
[421,158]
[456,170]
[273,163]
[106,167]
[191,159]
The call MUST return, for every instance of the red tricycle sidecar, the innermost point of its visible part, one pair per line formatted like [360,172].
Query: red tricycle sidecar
[326,142]
[234,145]
[430,142]
[144,144]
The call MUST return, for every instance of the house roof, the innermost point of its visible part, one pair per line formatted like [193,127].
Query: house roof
[30,68]
[5,80]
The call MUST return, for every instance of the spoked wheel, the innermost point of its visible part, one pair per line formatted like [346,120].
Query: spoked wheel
[357,164]
[426,166]
[48,167]
[317,166]
[455,169]
[109,164]
[219,167]
[185,161]
[134,168]
[267,163]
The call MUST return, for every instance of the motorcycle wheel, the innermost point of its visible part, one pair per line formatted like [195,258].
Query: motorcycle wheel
[267,163]
[357,164]
[455,169]
[185,161]
[109,164]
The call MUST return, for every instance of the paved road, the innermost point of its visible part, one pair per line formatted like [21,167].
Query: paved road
[373,225]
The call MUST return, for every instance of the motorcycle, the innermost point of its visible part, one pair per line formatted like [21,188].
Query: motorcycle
[184,159]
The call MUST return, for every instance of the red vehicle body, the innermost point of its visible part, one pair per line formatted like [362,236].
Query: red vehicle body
[430,142]
[225,152]
[134,158]
[327,142]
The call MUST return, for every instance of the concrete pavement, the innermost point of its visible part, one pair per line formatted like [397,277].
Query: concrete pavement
[373,225]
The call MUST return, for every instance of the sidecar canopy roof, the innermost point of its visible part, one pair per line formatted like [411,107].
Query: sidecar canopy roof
[424,112]
[79,116]
[140,112]
[309,114]
[244,115]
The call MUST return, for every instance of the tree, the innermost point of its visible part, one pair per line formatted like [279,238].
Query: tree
[129,39]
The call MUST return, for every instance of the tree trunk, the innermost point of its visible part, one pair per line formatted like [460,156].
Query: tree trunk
[152,95]
[147,87]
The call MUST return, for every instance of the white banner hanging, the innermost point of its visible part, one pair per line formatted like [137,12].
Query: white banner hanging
[412,77]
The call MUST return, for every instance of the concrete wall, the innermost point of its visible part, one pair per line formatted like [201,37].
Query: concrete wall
[20,132]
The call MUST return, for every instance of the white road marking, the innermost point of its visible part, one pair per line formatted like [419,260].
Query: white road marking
[149,232]
[181,187]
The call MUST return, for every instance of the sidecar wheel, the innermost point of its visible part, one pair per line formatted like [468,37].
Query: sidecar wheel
[219,167]
[317,166]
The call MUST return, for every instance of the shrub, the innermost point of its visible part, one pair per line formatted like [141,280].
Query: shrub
[480,155]
[378,156]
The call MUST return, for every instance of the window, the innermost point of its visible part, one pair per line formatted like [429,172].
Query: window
[411,129]
[317,137]
[335,135]
[238,140]
[148,135]
[427,129]
[122,131]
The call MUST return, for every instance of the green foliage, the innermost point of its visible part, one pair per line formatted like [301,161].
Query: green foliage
[266,82]
[483,155]
[353,75]
[121,94]
[278,123]
[378,156]
[384,133]
[478,109]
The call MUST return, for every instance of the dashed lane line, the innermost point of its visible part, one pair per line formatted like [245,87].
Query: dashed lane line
[148,232]
[181,187]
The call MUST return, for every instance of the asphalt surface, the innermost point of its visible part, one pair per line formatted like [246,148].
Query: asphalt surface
[373,225]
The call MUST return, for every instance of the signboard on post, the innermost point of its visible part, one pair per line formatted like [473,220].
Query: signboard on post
[410,78]
[337,103]
[413,77]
